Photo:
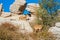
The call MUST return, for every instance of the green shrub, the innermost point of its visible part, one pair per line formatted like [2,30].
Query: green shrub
[47,19]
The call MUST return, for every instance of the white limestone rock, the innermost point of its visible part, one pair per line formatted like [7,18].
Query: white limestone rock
[14,8]
[16,17]
[24,26]
[32,7]
[32,19]
[20,2]
[6,14]
[16,5]
[3,20]
[55,30]
[57,24]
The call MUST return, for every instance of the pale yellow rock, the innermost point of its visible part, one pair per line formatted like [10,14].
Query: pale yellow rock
[18,21]
[37,27]
[20,2]
[32,7]
[16,17]
[14,8]
[16,5]
[32,19]
[6,14]
[22,17]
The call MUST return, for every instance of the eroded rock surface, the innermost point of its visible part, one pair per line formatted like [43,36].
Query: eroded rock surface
[22,24]
[16,5]
[55,30]
[32,7]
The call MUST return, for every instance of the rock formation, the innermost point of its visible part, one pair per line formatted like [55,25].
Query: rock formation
[55,30]
[22,21]
[16,5]
[32,19]
[18,21]
[6,14]
[32,7]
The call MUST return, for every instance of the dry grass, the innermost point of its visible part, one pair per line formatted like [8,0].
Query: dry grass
[8,32]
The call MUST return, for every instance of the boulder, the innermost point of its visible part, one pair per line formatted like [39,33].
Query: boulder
[16,5]
[14,8]
[57,24]
[55,30]
[20,2]
[32,19]
[32,7]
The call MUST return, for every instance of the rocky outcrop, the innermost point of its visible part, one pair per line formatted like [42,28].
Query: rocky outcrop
[24,26]
[32,7]
[6,14]
[21,5]
[55,30]
[32,19]
[18,21]
[16,5]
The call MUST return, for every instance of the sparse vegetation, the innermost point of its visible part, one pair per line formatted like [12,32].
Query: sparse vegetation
[47,19]
[8,32]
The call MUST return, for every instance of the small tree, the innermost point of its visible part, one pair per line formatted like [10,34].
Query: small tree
[49,5]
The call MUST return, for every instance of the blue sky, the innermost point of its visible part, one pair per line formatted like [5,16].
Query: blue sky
[7,3]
